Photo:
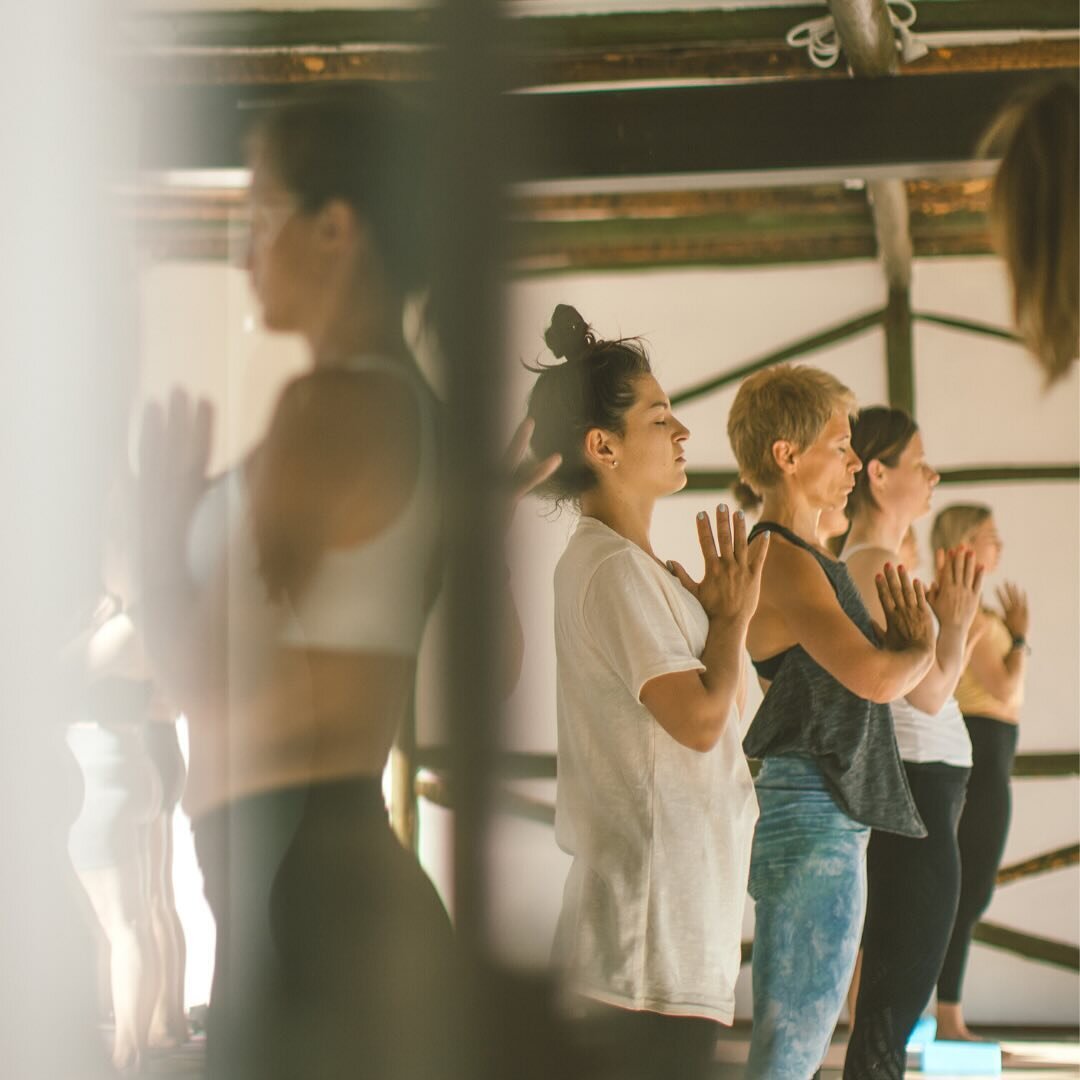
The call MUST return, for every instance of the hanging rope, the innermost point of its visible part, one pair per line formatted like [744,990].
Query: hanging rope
[819,37]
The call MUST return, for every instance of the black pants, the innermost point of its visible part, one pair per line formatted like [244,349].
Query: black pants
[984,827]
[334,954]
[631,1045]
[912,891]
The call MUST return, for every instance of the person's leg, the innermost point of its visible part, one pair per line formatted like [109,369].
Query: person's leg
[168,1025]
[364,943]
[912,890]
[983,829]
[651,1046]
[807,878]
[240,849]
[115,896]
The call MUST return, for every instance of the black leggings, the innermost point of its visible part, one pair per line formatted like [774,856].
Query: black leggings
[984,827]
[912,891]
[334,954]
[642,1045]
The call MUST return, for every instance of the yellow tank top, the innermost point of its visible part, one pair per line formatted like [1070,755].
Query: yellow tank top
[973,697]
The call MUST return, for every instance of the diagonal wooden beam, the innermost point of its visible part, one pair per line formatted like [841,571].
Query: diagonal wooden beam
[1030,947]
[841,332]
[1040,864]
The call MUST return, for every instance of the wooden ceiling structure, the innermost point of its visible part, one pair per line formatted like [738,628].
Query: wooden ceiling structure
[768,118]
[647,139]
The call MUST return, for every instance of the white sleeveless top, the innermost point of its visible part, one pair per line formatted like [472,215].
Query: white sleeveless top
[367,598]
[922,737]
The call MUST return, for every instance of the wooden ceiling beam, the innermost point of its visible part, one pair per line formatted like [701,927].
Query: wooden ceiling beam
[737,60]
[827,125]
[176,31]
[729,227]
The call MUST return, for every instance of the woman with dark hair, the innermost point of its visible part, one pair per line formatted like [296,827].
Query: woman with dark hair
[655,802]
[285,603]
[913,882]
[990,694]
[830,768]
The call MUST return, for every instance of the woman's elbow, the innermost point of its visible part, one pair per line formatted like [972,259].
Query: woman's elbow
[703,743]
[706,732]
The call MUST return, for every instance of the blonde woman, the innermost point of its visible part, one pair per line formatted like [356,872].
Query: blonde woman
[990,693]
[830,767]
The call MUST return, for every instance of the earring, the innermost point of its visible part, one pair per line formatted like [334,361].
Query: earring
[614,464]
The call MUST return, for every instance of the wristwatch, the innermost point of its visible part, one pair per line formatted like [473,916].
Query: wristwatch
[1020,642]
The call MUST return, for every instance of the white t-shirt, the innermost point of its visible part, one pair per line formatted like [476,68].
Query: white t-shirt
[660,834]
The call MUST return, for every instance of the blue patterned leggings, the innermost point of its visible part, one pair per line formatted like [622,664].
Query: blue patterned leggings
[808,881]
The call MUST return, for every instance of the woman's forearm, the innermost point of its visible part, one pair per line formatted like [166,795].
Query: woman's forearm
[940,681]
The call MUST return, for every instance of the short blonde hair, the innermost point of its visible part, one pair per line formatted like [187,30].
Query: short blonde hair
[956,523]
[789,402]
[1033,217]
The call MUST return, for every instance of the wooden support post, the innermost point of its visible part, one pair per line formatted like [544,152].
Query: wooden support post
[898,355]
[866,33]
[468,159]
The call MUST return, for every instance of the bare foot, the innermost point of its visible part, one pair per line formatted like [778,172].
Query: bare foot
[167,1032]
[126,1058]
[161,1040]
[951,1026]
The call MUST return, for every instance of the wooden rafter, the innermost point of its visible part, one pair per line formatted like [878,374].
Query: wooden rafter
[237,30]
[735,226]
[832,128]
[722,60]
[524,765]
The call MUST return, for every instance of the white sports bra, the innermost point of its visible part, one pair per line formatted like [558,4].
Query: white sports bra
[368,598]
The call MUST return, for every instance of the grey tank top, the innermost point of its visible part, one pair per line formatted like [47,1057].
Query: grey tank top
[808,713]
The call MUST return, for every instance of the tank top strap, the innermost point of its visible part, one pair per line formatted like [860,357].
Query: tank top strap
[835,570]
[792,538]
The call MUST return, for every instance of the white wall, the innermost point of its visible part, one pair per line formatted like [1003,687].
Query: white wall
[978,400]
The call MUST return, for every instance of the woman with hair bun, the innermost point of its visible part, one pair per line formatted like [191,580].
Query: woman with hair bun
[655,802]
[830,767]
[913,883]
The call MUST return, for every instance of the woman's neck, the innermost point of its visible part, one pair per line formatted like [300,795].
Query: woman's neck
[622,513]
[872,527]
[365,322]
[790,509]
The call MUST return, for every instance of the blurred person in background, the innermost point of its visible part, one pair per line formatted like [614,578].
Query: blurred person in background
[991,695]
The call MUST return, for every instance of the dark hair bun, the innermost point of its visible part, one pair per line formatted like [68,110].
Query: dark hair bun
[747,498]
[569,335]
